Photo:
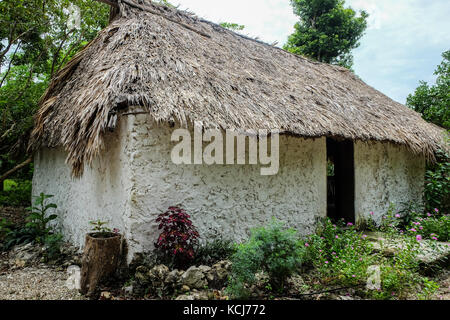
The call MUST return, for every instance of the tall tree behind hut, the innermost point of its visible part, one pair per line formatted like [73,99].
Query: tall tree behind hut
[37,38]
[433,102]
[327,31]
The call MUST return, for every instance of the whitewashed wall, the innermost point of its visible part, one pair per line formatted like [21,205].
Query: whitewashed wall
[384,174]
[134,180]
[223,200]
[102,192]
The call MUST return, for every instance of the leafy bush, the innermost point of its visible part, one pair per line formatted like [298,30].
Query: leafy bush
[36,228]
[339,252]
[16,194]
[213,252]
[437,185]
[178,238]
[434,227]
[38,220]
[272,249]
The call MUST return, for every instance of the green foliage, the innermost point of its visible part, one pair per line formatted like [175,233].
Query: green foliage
[35,42]
[429,288]
[340,254]
[433,101]
[436,228]
[272,249]
[36,229]
[52,244]
[232,26]
[99,227]
[38,218]
[437,185]
[16,194]
[213,252]
[327,31]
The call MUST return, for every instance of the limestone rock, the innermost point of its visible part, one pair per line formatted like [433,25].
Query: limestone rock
[73,281]
[157,276]
[194,278]
[217,276]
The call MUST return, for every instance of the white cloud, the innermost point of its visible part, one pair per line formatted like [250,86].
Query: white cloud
[269,20]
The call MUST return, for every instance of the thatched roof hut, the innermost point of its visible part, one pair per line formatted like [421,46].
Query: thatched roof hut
[180,67]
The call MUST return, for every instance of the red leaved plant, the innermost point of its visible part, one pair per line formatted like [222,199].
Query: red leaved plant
[178,237]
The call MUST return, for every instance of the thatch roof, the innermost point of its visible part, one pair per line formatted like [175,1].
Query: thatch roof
[179,67]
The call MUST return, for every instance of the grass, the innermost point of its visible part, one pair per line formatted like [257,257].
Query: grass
[9,184]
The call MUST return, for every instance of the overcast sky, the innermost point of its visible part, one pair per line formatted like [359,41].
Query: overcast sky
[402,45]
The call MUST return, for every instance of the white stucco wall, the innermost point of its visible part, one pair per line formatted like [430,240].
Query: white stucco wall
[225,200]
[134,180]
[384,174]
[102,192]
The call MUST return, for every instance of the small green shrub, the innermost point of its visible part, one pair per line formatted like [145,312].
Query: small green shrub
[396,283]
[16,194]
[437,185]
[433,227]
[339,252]
[213,252]
[38,219]
[272,249]
[36,229]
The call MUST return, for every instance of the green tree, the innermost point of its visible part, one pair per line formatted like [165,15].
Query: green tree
[232,26]
[36,41]
[433,102]
[327,31]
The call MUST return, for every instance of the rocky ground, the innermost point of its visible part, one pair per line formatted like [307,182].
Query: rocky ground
[36,283]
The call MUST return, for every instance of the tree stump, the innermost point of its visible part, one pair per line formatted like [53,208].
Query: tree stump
[101,257]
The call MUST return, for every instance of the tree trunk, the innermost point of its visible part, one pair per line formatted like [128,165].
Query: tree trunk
[101,257]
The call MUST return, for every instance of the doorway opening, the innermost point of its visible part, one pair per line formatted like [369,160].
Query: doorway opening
[340,180]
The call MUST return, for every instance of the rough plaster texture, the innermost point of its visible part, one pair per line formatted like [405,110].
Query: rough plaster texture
[102,193]
[134,180]
[225,200]
[385,174]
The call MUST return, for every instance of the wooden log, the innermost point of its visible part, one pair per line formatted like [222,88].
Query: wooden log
[101,257]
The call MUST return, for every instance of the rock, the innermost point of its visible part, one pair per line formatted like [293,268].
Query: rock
[128,290]
[194,278]
[202,295]
[173,278]
[217,276]
[185,288]
[157,276]
[141,275]
[20,263]
[73,281]
[204,269]
[25,254]
[185,297]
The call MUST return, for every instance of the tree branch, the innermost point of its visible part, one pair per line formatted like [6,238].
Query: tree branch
[8,131]
[16,168]
[9,65]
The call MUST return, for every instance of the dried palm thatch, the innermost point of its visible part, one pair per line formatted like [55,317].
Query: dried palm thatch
[181,68]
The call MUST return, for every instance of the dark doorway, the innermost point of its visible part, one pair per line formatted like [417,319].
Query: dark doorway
[340,180]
